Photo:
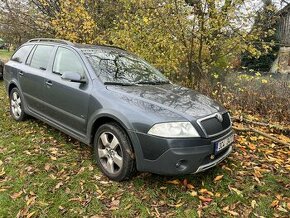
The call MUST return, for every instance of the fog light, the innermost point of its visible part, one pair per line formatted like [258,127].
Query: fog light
[212,157]
[181,165]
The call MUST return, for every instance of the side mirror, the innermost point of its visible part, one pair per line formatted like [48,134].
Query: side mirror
[73,77]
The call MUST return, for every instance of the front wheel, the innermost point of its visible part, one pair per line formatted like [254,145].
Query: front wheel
[113,152]
[16,105]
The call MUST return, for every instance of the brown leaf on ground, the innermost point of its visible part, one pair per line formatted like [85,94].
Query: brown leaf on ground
[190,186]
[174,182]
[274,203]
[193,193]
[204,199]
[16,195]
[218,178]
[114,205]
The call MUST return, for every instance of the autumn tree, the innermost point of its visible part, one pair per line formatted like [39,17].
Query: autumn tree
[267,45]
[188,40]
[199,38]
[20,20]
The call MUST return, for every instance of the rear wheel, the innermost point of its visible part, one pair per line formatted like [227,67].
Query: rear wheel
[16,105]
[113,152]
[1,71]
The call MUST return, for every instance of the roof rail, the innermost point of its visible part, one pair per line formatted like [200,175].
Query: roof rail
[61,41]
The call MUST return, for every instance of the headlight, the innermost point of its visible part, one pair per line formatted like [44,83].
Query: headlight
[174,130]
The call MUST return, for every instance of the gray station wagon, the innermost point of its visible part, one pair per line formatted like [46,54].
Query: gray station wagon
[131,114]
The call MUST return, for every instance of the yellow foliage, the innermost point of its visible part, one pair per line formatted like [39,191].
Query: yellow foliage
[74,23]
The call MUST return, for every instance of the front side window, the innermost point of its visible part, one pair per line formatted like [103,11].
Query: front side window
[21,54]
[41,57]
[67,61]
[122,67]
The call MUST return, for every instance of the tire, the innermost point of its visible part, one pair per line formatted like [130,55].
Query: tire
[113,152]
[1,72]
[16,105]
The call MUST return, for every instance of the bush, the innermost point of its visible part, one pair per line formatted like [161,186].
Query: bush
[267,96]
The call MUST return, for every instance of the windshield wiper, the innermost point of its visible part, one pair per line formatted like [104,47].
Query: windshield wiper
[119,83]
[157,82]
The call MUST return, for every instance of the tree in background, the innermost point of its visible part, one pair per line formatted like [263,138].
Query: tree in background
[20,20]
[74,23]
[189,40]
[199,38]
[267,46]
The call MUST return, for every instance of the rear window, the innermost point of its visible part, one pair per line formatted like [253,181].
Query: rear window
[21,54]
[41,57]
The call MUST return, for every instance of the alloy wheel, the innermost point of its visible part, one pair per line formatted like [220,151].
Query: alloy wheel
[16,105]
[110,153]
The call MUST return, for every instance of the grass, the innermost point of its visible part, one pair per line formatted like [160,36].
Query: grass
[44,173]
[5,55]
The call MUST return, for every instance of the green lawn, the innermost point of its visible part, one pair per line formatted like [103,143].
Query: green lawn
[44,173]
[5,55]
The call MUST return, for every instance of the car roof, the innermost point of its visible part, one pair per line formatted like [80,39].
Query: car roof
[76,45]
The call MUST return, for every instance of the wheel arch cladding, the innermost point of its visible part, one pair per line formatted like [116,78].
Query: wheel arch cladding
[11,86]
[106,119]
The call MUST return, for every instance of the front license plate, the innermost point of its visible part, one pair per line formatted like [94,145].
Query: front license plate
[223,143]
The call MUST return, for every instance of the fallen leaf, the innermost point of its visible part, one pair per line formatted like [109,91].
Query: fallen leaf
[218,178]
[16,195]
[128,206]
[288,205]
[233,213]
[47,167]
[193,193]
[205,191]
[174,182]
[58,185]
[274,203]
[282,209]
[30,214]
[185,182]
[30,201]
[2,172]
[179,205]
[252,146]
[114,205]
[53,158]
[205,199]
[236,190]
[253,204]
[217,194]
[190,186]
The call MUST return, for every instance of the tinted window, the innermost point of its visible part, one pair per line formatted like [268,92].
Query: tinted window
[67,61]
[41,57]
[21,54]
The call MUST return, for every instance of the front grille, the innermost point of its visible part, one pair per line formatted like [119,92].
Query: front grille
[212,126]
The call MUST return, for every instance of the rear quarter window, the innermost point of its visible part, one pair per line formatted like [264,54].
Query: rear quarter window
[21,54]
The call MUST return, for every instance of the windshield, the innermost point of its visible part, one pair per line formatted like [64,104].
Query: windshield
[120,67]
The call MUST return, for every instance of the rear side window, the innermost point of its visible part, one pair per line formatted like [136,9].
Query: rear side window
[21,54]
[41,56]
[67,61]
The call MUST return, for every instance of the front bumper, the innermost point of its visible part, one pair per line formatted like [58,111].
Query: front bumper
[180,156]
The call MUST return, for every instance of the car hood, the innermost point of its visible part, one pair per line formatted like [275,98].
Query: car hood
[183,101]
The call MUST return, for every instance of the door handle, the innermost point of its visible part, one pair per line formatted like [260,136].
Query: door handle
[48,83]
[21,73]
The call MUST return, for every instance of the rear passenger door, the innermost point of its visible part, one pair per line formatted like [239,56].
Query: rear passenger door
[67,101]
[31,77]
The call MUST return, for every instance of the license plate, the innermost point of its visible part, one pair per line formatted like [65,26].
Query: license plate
[224,143]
